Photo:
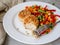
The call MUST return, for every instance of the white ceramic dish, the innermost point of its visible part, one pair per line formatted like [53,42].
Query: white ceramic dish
[15,29]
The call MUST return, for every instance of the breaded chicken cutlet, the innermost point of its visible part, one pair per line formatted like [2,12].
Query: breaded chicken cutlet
[23,14]
[30,21]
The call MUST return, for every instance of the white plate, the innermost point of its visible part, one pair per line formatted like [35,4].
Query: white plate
[15,29]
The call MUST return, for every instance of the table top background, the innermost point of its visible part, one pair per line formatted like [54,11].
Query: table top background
[10,41]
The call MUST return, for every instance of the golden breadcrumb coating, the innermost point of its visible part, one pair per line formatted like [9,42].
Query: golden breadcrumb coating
[31,18]
[23,14]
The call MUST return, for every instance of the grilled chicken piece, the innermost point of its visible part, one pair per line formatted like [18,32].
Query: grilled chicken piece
[31,22]
[23,14]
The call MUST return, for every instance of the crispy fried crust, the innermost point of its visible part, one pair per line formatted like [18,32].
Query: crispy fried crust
[31,18]
[26,16]
[23,14]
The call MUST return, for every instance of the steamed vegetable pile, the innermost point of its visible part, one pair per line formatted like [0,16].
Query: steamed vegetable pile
[44,15]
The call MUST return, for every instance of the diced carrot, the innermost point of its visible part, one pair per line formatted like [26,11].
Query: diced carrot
[43,9]
[30,9]
[46,16]
[49,18]
[47,22]
[34,9]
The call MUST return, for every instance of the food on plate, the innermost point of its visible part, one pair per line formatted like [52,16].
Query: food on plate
[23,14]
[31,22]
[37,18]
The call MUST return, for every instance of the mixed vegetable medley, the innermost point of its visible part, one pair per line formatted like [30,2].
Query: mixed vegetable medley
[44,15]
